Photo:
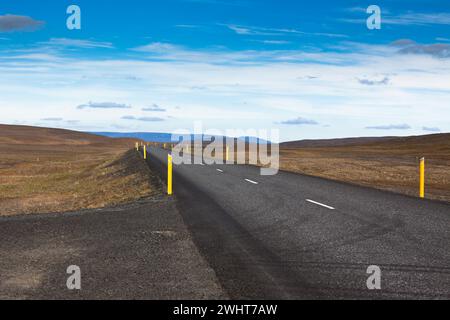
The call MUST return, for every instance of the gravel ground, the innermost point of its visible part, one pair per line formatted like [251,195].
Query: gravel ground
[137,251]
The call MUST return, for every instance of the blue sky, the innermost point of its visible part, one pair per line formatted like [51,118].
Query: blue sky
[311,70]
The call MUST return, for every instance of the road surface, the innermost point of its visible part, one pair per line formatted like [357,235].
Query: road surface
[291,236]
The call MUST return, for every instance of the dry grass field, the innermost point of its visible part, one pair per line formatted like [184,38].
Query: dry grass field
[52,170]
[388,163]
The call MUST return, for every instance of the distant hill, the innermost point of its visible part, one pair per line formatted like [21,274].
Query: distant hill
[440,139]
[334,142]
[435,147]
[27,135]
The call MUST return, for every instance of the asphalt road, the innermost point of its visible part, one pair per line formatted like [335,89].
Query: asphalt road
[291,236]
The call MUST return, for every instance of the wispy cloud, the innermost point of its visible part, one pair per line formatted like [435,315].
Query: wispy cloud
[307,77]
[431,129]
[373,82]
[300,121]
[253,31]
[418,19]
[145,119]
[390,127]
[407,46]
[262,31]
[104,105]
[79,43]
[11,23]
[154,108]
[277,42]
[52,119]
[157,47]
[215,55]
[356,9]
[187,26]
[406,19]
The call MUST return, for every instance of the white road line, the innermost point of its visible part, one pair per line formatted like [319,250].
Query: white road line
[320,204]
[251,181]
[219,170]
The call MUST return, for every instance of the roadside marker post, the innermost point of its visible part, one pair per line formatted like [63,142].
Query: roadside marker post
[227,154]
[422,177]
[137,146]
[145,152]
[169,175]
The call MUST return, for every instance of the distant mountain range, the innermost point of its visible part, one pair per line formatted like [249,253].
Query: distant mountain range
[146,136]
[320,143]
[163,137]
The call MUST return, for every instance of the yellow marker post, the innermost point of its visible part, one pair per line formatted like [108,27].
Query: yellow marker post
[227,154]
[169,174]
[422,177]
[145,152]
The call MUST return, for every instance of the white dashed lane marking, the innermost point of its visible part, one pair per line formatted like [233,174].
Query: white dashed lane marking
[320,204]
[251,181]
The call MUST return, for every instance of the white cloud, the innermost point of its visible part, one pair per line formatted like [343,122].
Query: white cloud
[441,18]
[157,47]
[103,105]
[273,41]
[145,119]
[390,127]
[431,129]
[154,108]
[52,119]
[406,46]
[264,31]
[243,30]
[187,26]
[374,82]
[242,89]
[79,43]
[407,19]
[11,23]
[300,121]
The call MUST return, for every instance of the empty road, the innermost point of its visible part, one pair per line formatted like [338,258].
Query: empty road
[291,236]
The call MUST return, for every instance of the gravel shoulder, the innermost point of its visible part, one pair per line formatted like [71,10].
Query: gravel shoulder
[137,251]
